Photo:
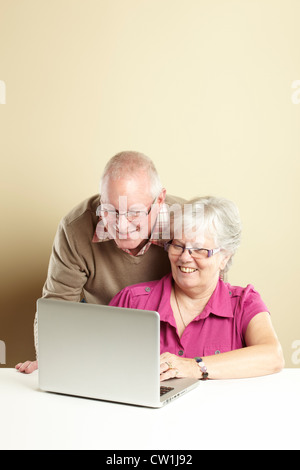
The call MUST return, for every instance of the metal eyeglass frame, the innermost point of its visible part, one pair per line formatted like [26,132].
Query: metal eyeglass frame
[117,214]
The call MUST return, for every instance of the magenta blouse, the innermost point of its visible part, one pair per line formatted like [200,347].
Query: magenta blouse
[221,327]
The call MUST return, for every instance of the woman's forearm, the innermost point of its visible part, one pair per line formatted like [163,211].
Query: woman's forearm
[252,361]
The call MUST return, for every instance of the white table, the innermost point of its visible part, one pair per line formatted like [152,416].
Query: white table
[260,413]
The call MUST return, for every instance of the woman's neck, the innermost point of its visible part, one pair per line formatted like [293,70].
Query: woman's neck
[197,296]
[187,305]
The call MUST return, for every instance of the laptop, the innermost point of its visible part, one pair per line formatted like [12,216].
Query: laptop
[102,352]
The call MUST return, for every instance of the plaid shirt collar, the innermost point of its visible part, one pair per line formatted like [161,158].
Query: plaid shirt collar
[159,235]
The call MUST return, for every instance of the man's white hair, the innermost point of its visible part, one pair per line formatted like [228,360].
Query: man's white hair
[128,164]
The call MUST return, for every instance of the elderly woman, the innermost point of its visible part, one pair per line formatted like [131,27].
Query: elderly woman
[209,329]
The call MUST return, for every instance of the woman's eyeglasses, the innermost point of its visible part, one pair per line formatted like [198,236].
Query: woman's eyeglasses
[197,253]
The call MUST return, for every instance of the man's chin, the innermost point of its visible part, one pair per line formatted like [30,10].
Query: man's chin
[129,244]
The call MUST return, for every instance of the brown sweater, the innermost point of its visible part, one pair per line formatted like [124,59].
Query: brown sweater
[96,271]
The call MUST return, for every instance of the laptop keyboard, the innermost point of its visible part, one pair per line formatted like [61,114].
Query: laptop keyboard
[164,390]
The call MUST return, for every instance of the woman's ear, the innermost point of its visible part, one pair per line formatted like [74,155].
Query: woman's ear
[224,262]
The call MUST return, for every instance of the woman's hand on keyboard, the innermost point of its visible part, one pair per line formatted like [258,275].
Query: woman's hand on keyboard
[172,366]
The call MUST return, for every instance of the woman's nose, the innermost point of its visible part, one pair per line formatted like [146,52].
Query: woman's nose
[185,255]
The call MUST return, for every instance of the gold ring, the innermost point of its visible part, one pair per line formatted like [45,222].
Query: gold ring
[169,365]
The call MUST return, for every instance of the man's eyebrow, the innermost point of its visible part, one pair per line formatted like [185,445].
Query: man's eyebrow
[178,242]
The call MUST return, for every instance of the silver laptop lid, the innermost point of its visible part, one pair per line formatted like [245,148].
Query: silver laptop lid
[97,351]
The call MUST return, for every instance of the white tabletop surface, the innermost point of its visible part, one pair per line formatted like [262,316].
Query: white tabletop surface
[260,413]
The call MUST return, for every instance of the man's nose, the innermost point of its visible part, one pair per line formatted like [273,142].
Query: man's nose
[122,223]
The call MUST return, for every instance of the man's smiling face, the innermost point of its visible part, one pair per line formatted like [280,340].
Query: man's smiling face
[130,194]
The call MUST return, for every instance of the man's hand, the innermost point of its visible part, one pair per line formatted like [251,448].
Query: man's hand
[27,367]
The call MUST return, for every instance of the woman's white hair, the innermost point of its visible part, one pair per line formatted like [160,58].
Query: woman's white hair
[217,218]
[129,163]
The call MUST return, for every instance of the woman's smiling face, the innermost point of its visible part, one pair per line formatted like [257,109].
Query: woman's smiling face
[193,274]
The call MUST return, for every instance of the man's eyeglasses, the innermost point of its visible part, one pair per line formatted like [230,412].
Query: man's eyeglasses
[107,212]
[197,253]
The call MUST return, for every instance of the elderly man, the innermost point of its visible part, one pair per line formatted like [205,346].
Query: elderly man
[113,240]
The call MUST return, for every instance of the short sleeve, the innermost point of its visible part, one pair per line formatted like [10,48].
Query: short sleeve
[250,305]
[122,299]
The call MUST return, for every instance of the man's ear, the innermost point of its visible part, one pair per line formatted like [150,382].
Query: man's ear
[161,198]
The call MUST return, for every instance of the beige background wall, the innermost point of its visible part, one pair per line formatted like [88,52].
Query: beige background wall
[203,87]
